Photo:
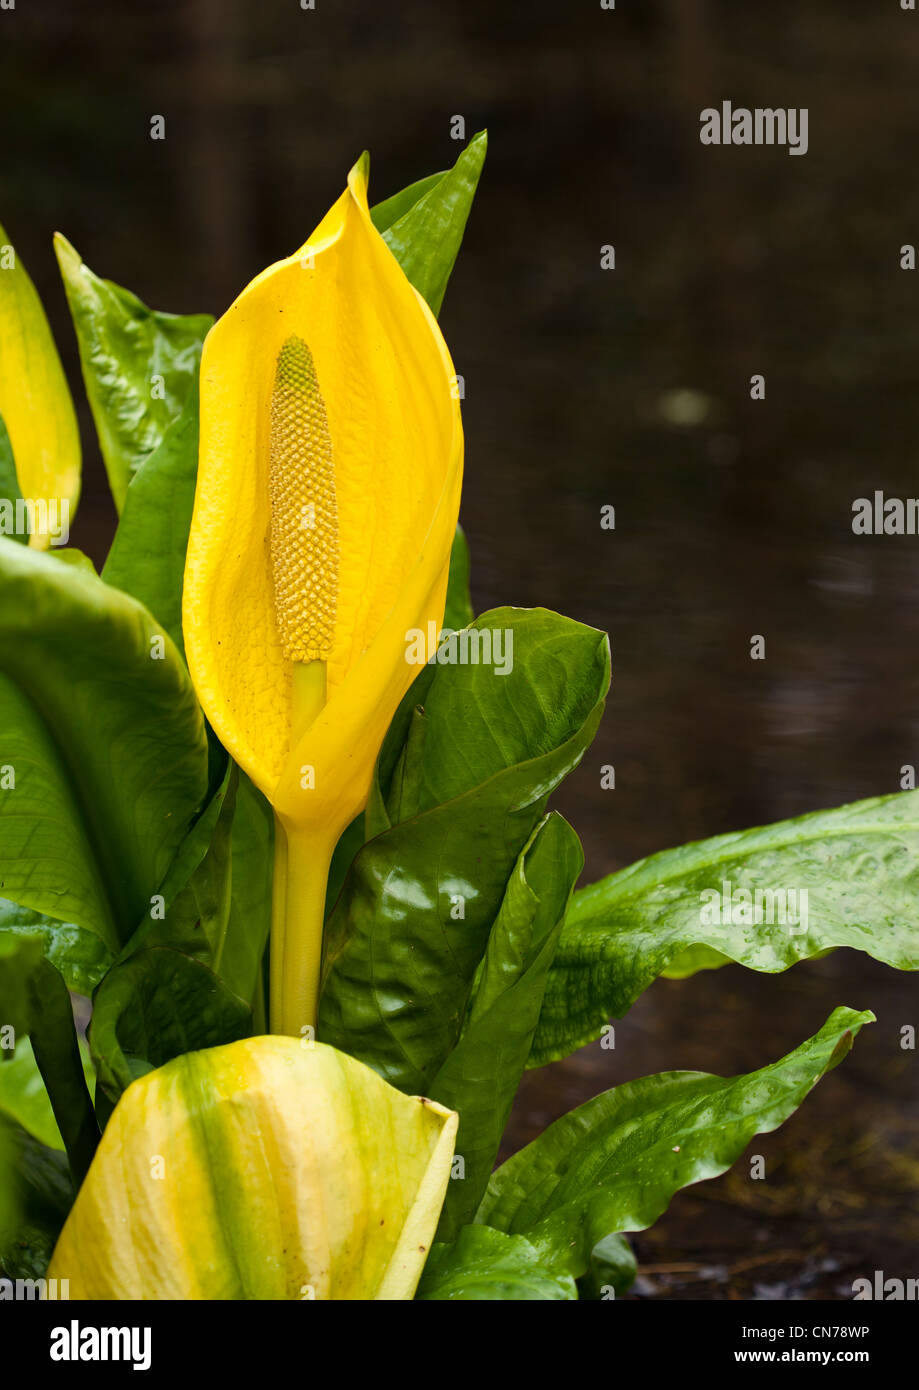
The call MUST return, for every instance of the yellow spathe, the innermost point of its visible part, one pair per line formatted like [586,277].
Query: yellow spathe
[265,1169]
[301,684]
[35,403]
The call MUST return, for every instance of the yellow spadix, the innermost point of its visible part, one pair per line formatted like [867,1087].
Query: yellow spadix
[329,476]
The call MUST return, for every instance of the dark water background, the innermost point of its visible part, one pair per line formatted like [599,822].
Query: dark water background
[729,262]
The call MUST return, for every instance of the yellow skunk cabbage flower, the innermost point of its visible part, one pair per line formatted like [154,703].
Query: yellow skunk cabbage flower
[265,1169]
[329,476]
[36,406]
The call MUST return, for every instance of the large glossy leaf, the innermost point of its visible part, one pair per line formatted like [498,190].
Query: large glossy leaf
[34,399]
[34,1001]
[858,864]
[480,1077]
[613,1164]
[542,687]
[138,365]
[80,955]
[287,1171]
[490,1266]
[106,741]
[412,922]
[200,909]
[423,226]
[155,1006]
[611,1269]
[147,558]
[249,919]
[191,911]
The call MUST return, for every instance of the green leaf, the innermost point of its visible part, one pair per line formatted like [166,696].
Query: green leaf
[24,1095]
[71,556]
[859,865]
[156,1006]
[9,492]
[39,1190]
[105,740]
[349,842]
[10,1215]
[486,1265]
[459,612]
[147,561]
[480,1077]
[138,365]
[692,960]
[613,1164]
[214,903]
[384,214]
[611,1269]
[147,558]
[250,900]
[80,956]
[507,693]
[423,226]
[19,960]
[190,912]
[400,959]
[34,1000]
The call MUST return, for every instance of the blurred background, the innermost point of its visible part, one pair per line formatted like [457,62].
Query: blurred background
[587,387]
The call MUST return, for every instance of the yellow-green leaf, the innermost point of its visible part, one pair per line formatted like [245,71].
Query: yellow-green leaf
[267,1169]
[35,404]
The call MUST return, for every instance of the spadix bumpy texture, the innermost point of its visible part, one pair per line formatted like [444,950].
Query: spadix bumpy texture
[304,515]
[265,1169]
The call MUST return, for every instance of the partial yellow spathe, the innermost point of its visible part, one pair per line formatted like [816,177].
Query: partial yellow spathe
[35,401]
[388,391]
[265,1169]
